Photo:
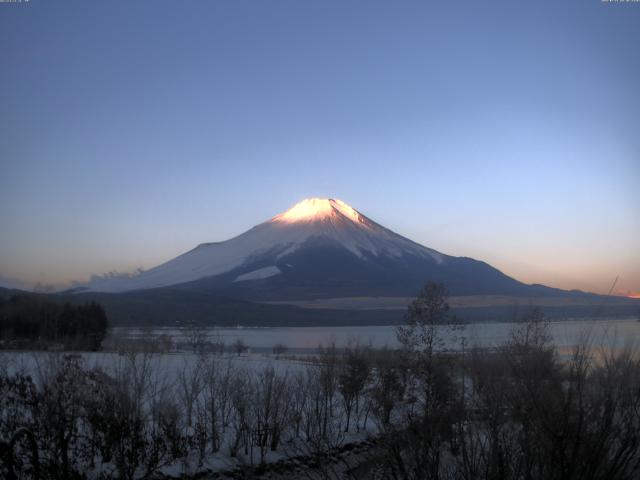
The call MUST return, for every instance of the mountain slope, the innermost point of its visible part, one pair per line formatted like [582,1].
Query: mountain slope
[319,248]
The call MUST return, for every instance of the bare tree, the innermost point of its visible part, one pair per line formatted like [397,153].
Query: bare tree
[353,377]
[270,409]
[59,412]
[217,344]
[240,347]
[279,349]
[427,323]
[190,383]
[328,381]
[135,418]
[298,397]
[416,437]
[196,337]
[242,421]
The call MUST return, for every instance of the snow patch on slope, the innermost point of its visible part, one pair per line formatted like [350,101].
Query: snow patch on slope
[259,274]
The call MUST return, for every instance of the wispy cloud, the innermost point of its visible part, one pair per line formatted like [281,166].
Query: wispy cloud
[98,279]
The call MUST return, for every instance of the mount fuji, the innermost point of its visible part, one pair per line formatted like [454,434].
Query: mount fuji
[319,248]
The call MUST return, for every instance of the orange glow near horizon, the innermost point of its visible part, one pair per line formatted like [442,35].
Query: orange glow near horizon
[627,293]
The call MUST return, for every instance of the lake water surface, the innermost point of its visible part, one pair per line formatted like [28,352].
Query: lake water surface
[615,332]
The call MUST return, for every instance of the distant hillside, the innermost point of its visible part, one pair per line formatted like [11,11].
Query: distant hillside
[169,307]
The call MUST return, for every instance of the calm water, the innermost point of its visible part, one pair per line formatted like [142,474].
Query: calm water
[618,333]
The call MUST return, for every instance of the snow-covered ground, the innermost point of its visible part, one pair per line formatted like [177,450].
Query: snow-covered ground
[178,373]
[169,365]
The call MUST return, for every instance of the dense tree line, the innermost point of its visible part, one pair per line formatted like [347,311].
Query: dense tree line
[31,319]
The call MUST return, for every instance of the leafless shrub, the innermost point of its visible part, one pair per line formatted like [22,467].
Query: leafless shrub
[217,344]
[134,419]
[241,421]
[190,384]
[218,381]
[240,347]
[352,380]
[165,343]
[298,391]
[197,337]
[270,409]
[279,349]
[63,385]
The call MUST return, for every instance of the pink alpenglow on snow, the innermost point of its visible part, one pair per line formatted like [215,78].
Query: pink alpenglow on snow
[312,209]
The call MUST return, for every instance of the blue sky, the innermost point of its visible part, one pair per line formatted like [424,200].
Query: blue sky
[506,131]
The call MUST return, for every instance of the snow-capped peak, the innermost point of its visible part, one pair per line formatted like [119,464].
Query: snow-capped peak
[314,209]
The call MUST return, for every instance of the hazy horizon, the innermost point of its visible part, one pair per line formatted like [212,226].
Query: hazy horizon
[132,132]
